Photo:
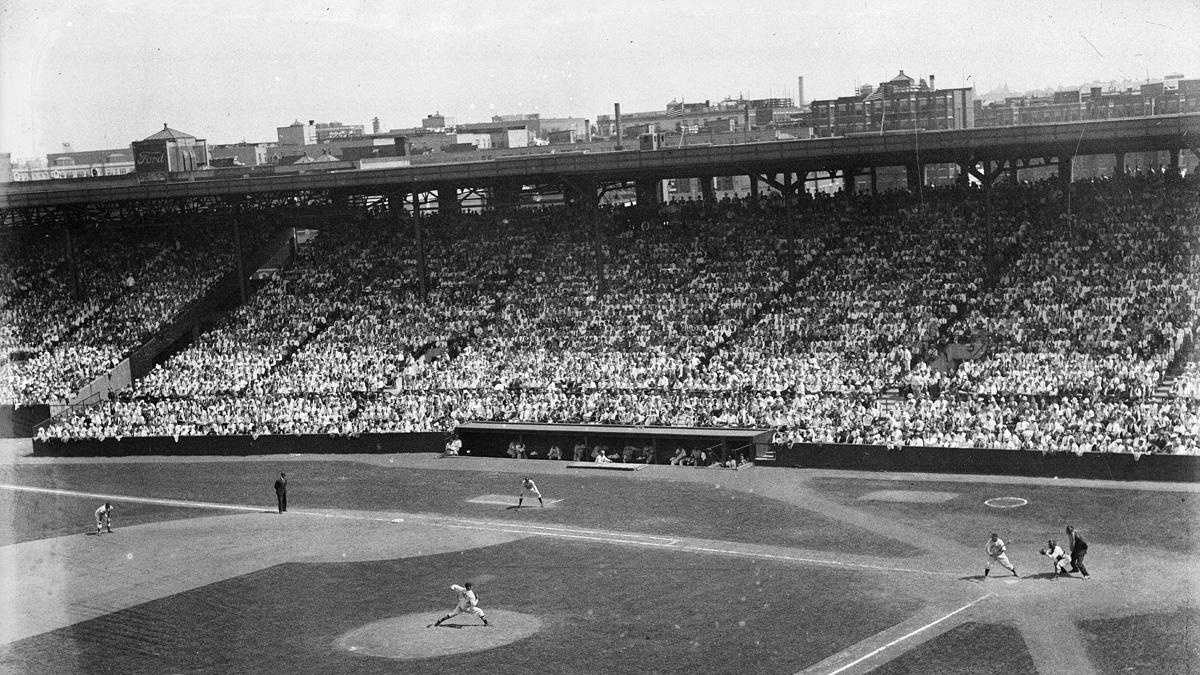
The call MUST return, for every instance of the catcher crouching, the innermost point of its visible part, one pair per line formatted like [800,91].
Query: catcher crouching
[1061,561]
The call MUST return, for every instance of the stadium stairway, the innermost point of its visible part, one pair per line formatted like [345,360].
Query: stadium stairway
[994,270]
[1183,355]
[142,358]
[331,317]
[769,305]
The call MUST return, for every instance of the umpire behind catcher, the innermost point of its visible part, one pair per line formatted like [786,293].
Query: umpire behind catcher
[1078,551]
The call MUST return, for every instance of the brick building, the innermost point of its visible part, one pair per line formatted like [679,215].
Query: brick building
[899,104]
[1171,96]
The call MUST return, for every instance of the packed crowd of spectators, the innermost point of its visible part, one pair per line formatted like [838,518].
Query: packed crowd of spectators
[808,320]
[131,283]
[1095,302]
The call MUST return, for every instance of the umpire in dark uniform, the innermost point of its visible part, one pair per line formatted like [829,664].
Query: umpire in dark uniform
[1078,551]
[281,491]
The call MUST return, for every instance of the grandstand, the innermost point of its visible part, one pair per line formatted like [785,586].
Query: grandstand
[1024,321]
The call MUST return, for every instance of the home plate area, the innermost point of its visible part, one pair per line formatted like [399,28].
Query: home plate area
[509,500]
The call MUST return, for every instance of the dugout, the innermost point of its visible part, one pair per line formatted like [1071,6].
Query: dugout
[491,439]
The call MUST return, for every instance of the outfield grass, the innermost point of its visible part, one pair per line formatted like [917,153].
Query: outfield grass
[606,609]
[649,507]
[1105,516]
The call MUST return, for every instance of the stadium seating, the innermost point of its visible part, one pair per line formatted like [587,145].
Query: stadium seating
[841,320]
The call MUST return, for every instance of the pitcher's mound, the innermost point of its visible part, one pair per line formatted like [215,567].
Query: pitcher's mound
[406,637]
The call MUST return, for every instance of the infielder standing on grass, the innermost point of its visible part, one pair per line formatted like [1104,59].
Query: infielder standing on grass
[996,550]
[468,603]
[527,485]
[102,517]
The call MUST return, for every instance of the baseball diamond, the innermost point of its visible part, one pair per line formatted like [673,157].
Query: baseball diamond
[352,574]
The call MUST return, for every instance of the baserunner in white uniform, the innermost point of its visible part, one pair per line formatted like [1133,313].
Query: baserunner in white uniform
[997,551]
[468,603]
[528,486]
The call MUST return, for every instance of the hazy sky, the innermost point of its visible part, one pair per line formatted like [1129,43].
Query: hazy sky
[100,74]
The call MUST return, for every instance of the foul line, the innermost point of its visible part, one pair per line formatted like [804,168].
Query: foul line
[902,638]
[140,500]
[530,529]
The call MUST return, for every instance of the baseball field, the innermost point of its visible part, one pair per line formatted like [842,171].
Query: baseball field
[666,569]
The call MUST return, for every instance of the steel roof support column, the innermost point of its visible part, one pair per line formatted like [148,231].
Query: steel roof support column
[1119,166]
[706,191]
[649,193]
[915,173]
[583,194]
[239,254]
[1175,161]
[964,174]
[1065,164]
[987,221]
[592,207]
[447,198]
[848,176]
[396,202]
[506,195]
[72,266]
[754,190]
[874,181]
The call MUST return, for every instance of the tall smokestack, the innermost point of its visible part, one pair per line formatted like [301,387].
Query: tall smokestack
[932,84]
[617,118]
[800,91]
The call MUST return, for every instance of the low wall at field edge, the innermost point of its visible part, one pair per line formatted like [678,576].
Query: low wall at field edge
[21,422]
[243,445]
[1094,465]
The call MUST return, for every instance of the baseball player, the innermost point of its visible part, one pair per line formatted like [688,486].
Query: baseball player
[527,485]
[102,517]
[997,551]
[1062,561]
[468,603]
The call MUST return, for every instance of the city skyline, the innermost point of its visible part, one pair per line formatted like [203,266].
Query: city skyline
[100,75]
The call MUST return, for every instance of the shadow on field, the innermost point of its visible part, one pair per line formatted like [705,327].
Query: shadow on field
[1050,576]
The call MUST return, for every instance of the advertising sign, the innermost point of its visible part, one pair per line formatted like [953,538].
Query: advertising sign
[150,156]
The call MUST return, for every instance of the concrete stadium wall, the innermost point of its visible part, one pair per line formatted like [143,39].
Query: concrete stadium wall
[1096,465]
[242,445]
[1105,466]
[21,422]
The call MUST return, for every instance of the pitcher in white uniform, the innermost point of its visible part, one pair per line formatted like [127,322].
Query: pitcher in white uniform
[468,603]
